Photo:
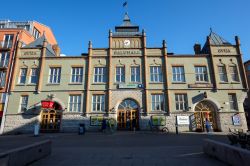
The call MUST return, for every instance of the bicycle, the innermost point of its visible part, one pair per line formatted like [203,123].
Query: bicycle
[161,129]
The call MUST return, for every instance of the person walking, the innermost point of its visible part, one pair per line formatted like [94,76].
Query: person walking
[207,124]
[134,124]
[104,125]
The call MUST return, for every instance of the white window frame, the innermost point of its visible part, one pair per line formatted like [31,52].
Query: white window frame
[99,74]
[120,74]
[24,103]
[201,75]
[75,102]
[4,59]
[178,74]
[9,42]
[2,78]
[36,33]
[76,75]
[23,75]
[222,73]
[234,73]
[54,75]
[181,102]
[32,75]
[136,73]
[157,102]
[232,101]
[98,100]
[156,74]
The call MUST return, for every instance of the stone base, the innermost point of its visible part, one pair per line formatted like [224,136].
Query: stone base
[23,123]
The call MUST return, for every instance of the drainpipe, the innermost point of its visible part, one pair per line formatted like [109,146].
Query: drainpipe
[8,85]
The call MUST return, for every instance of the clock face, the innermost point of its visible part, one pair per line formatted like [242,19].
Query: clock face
[127,43]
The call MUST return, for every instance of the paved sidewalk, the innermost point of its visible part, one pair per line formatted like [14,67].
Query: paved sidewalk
[123,148]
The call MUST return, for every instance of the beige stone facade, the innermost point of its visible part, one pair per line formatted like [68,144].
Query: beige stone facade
[146,78]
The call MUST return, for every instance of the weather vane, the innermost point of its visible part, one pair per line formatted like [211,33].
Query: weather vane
[125,5]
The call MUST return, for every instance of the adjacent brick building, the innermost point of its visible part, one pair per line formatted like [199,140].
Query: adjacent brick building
[10,33]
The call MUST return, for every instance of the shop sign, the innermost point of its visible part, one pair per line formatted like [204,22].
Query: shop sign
[47,104]
[127,52]
[236,120]
[158,120]
[182,120]
[96,120]
[128,86]
[224,50]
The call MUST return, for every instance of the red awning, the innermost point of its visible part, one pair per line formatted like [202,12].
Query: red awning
[1,113]
[47,104]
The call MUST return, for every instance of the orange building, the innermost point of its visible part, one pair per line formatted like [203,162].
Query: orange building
[10,33]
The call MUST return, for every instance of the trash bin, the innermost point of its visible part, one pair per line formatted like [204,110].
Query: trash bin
[36,130]
[81,129]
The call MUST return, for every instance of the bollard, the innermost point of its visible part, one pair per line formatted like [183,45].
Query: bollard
[81,129]
[176,129]
[36,130]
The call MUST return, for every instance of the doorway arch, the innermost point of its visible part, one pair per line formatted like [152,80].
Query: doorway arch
[51,116]
[128,115]
[205,110]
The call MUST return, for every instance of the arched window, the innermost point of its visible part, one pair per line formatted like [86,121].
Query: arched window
[128,104]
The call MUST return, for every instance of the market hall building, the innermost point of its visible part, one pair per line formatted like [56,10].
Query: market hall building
[127,81]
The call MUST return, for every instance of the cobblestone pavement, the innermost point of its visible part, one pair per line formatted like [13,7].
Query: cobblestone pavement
[121,148]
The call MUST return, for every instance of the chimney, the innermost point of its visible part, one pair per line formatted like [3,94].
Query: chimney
[197,48]
[56,49]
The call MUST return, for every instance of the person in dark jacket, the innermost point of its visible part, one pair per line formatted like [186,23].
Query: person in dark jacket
[104,125]
[134,124]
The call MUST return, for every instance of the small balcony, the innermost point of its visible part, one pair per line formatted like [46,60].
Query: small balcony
[6,45]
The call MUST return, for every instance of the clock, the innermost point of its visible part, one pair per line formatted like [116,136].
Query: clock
[126,43]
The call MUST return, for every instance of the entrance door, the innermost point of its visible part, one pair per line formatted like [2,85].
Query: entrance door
[128,110]
[205,110]
[51,121]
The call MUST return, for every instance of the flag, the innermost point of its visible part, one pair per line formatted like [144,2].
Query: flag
[125,4]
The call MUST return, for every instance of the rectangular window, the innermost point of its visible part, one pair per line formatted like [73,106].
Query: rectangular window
[8,41]
[155,74]
[24,103]
[4,59]
[36,33]
[2,78]
[248,67]
[233,101]
[55,75]
[201,74]
[222,73]
[23,74]
[75,103]
[98,103]
[157,102]
[99,74]
[178,74]
[234,73]
[120,74]
[181,102]
[34,76]
[135,74]
[77,74]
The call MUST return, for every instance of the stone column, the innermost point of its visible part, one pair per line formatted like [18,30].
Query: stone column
[42,64]
[144,38]
[89,68]
[110,72]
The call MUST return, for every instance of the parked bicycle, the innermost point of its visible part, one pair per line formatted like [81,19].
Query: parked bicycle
[162,129]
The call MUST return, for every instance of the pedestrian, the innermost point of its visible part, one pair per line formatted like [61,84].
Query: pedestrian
[207,124]
[104,125]
[128,123]
[134,124]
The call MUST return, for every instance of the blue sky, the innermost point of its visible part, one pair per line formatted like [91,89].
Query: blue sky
[180,22]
